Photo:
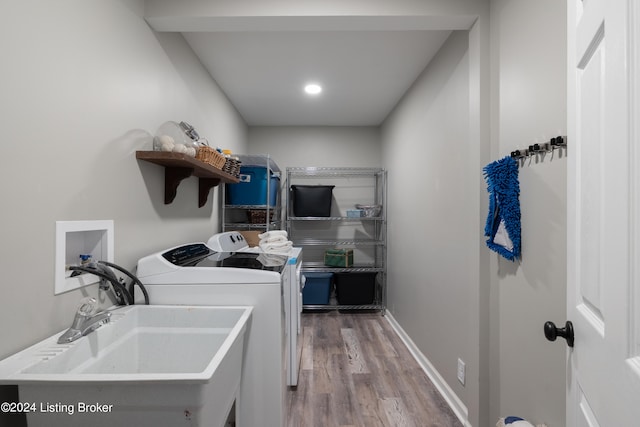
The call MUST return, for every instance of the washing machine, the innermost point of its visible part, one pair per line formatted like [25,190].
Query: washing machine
[293,283]
[195,274]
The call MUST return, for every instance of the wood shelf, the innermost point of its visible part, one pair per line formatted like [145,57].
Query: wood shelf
[180,166]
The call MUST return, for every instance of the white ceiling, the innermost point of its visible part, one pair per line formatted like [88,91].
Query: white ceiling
[365,53]
[363,73]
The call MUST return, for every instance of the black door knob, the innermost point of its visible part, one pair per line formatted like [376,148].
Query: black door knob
[552,332]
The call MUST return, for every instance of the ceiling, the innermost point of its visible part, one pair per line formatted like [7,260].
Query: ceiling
[365,64]
[363,73]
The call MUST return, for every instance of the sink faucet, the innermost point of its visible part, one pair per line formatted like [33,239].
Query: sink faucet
[85,321]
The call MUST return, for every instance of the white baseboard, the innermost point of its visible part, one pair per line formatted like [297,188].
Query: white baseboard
[458,407]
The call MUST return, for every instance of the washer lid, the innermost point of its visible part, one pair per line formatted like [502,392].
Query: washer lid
[199,255]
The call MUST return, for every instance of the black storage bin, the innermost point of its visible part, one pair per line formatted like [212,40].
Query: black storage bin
[312,200]
[355,288]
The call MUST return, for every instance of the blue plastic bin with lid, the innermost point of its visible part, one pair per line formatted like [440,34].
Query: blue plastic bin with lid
[252,188]
[317,288]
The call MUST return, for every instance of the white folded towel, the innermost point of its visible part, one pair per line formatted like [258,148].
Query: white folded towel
[278,247]
[276,239]
[272,234]
[272,260]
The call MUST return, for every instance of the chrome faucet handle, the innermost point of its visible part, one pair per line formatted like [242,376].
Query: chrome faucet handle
[85,321]
[95,321]
[88,306]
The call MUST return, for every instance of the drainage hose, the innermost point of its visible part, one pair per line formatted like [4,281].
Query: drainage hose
[122,294]
[136,281]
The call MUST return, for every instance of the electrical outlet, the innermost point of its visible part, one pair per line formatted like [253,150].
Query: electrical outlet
[461,371]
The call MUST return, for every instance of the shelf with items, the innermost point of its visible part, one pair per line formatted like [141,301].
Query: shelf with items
[335,218]
[311,172]
[179,166]
[319,267]
[255,215]
[242,226]
[366,235]
[361,307]
[329,242]
[352,295]
[250,217]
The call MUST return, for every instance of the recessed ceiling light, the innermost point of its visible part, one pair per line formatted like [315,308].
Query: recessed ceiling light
[313,89]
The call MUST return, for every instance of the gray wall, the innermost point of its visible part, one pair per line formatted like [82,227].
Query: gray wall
[85,85]
[529,105]
[432,220]
[317,145]
[435,174]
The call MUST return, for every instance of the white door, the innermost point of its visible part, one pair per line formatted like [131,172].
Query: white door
[603,295]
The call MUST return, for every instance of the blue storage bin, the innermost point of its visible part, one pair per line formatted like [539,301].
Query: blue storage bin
[317,288]
[252,188]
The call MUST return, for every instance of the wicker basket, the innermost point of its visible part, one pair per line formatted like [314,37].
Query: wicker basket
[210,156]
[232,166]
[259,216]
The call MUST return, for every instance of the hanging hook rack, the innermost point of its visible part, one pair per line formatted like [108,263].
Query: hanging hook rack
[540,148]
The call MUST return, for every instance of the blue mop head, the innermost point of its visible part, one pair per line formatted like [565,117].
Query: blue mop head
[504,207]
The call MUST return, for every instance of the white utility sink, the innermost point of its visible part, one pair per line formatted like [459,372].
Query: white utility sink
[150,366]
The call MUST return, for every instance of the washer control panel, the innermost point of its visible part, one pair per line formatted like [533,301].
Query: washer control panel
[229,241]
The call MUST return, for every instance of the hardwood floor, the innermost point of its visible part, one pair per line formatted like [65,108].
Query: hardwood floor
[355,371]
